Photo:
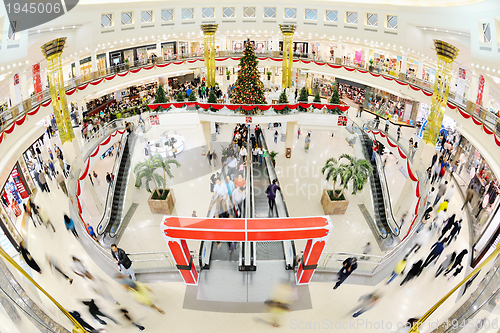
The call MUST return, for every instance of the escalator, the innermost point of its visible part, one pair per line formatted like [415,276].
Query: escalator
[379,210]
[116,212]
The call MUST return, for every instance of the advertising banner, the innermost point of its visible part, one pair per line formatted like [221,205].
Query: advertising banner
[37,82]
[459,93]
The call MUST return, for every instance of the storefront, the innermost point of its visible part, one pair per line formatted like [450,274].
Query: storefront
[129,56]
[322,84]
[354,93]
[384,63]
[300,49]
[101,63]
[183,48]
[429,74]
[146,52]
[447,126]
[169,50]
[399,110]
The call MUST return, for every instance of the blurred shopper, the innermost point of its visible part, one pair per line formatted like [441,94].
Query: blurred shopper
[91,232]
[70,225]
[398,270]
[123,261]
[368,301]
[348,266]
[271,195]
[436,250]
[450,258]
[414,271]
[441,192]
[96,313]
[126,315]
[52,260]
[457,271]
[457,262]
[143,295]
[366,250]
[78,267]
[279,302]
[99,287]
[44,217]
[85,325]
[238,198]
[29,259]
[62,184]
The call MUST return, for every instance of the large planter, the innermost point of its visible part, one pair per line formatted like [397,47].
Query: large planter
[162,206]
[331,207]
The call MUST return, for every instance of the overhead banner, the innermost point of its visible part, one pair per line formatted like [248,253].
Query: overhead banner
[459,93]
[17,88]
[480,89]
[37,82]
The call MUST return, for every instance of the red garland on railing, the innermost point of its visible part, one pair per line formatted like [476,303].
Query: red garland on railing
[390,143]
[71,92]
[263,107]
[417,189]
[410,173]
[95,83]
[496,140]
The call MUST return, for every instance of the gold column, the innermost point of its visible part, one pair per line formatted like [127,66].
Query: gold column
[52,52]
[209,31]
[287,30]
[446,53]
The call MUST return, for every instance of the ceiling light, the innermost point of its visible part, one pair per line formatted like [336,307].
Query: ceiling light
[38,30]
[73,27]
[425,28]
[446,30]
[51,29]
[472,64]
[63,28]
[435,29]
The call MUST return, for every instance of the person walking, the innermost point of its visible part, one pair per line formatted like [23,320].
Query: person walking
[29,213]
[126,315]
[457,262]
[238,197]
[95,312]
[399,132]
[434,159]
[436,251]
[70,225]
[52,260]
[260,153]
[143,295]
[398,270]
[91,181]
[61,183]
[457,271]
[435,173]
[366,250]
[85,325]
[446,263]
[123,261]
[348,266]
[271,195]
[95,176]
[29,259]
[43,182]
[457,226]
[430,197]
[441,192]
[209,157]
[368,301]
[374,149]
[214,158]
[414,271]
[469,194]
[307,141]
[387,124]
[44,217]
[109,180]
[298,133]
[442,172]
[447,226]
[443,206]
[91,232]
[276,137]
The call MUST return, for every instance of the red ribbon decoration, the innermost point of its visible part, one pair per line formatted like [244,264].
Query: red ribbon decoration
[390,143]
[349,69]
[153,106]
[163,65]
[414,88]
[123,74]
[232,107]
[486,130]
[11,129]
[416,207]
[410,173]
[95,83]
[451,106]
[279,107]
[373,74]
[78,190]
[71,92]
[150,67]
[403,156]
[191,104]
[248,107]
[332,66]
[417,190]
[363,72]
[178,105]
[35,111]
[264,107]
[401,83]
[108,78]
[496,140]
[166,105]
[318,106]
[305,105]
[84,174]
[426,93]
[204,106]
[217,106]
[178,63]
[83,87]
[464,114]
[222,59]
[387,78]
[293,106]
[477,122]
[1,137]
[135,71]
[21,120]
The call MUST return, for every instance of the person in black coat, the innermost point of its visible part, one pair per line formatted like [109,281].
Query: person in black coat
[123,261]
[85,325]
[457,226]
[348,266]
[449,224]
[95,312]
[415,270]
[458,261]
[29,259]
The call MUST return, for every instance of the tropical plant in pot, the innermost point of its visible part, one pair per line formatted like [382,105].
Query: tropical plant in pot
[269,76]
[352,171]
[272,155]
[228,73]
[370,68]
[162,199]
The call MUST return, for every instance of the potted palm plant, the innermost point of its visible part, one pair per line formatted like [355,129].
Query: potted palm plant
[162,199]
[272,155]
[228,73]
[269,76]
[352,171]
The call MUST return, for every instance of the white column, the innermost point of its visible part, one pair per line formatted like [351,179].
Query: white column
[222,43]
[23,82]
[158,48]
[420,70]
[93,58]
[366,56]
[404,62]
[77,65]
[12,92]
[276,43]
[474,85]
[340,52]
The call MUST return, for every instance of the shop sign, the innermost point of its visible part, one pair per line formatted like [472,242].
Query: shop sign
[248,120]
[462,74]
[154,120]
[37,82]
[19,184]
[342,121]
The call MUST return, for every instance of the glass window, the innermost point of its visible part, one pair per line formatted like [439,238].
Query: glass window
[486,33]
[372,20]
[12,30]
[228,12]
[392,22]
[167,14]
[291,13]
[126,18]
[106,20]
[311,14]
[187,13]
[146,16]
[208,12]
[351,17]
[249,12]
[270,12]
[331,16]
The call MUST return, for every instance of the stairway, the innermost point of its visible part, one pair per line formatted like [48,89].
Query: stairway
[376,190]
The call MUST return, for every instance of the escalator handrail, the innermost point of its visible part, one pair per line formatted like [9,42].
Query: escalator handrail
[280,202]
[111,189]
[249,206]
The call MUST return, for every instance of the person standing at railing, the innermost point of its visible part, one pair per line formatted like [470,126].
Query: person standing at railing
[109,180]
[399,132]
[123,261]
[95,176]
[387,124]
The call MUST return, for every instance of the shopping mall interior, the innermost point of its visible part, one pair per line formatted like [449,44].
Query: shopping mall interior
[250,167]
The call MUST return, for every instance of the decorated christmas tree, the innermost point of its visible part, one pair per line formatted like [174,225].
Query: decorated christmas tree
[317,99]
[335,96]
[303,97]
[181,96]
[248,88]
[212,99]
[160,95]
[283,99]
